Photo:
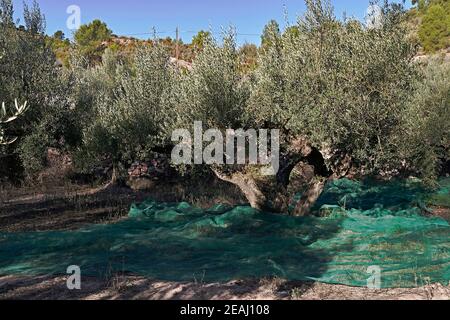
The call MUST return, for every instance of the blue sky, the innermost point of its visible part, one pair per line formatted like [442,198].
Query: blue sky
[135,17]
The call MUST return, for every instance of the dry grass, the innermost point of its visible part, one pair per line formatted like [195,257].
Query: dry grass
[272,284]
[42,207]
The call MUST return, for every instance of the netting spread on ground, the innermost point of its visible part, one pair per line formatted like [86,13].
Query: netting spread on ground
[365,225]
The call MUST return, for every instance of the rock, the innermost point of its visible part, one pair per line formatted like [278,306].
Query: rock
[144,174]
[141,184]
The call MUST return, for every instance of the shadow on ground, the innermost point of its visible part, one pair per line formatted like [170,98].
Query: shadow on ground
[138,288]
[178,242]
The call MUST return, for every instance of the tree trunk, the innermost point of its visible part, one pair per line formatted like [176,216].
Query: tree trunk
[309,198]
[248,186]
[273,194]
[114,175]
[114,182]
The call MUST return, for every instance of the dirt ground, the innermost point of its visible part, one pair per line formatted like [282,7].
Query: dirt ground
[138,288]
[69,208]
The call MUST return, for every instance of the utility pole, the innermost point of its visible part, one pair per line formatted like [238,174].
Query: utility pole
[177,48]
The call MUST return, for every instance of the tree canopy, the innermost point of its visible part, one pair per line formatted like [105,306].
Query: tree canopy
[199,40]
[434,24]
[89,37]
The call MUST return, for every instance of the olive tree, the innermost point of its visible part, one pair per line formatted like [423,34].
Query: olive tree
[131,114]
[336,91]
[214,92]
[28,72]
[426,143]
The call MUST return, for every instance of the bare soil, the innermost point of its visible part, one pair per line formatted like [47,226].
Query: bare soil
[139,288]
[72,207]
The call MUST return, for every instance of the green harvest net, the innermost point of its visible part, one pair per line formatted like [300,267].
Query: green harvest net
[364,225]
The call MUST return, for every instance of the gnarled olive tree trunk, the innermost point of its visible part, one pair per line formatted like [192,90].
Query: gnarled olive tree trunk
[248,186]
[273,193]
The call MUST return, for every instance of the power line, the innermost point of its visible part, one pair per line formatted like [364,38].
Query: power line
[145,33]
[188,31]
[216,32]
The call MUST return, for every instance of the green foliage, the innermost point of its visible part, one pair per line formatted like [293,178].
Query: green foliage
[94,86]
[26,66]
[271,31]
[292,31]
[92,34]
[434,32]
[6,13]
[131,114]
[427,121]
[420,4]
[32,152]
[89,37]
[199,40]
[34,19]
[61,47]
[141,119]
[28,73]
[215,91]
[430,20]
[59,35]
[249,57]
[58,126]
[342,86]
